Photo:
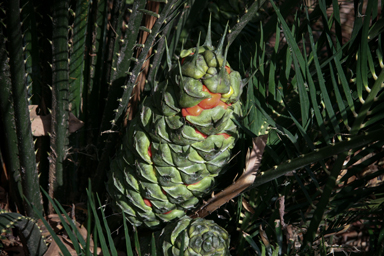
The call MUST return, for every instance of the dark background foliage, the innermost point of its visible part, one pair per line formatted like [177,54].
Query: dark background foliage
[315,73]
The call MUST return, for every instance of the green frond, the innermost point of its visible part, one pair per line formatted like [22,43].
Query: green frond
[9,128]
[77,78]
[27,227]
[27,160]
[166,11]
[60,95]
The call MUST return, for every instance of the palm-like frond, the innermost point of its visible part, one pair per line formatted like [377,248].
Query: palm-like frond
[317,95]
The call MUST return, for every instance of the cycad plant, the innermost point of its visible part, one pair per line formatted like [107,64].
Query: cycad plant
[316,95]
[322,100]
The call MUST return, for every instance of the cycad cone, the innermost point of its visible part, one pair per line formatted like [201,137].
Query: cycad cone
[201,237]
[180,141]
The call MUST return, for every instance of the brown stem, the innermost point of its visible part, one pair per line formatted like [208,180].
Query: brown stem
[149,22]
[282,210]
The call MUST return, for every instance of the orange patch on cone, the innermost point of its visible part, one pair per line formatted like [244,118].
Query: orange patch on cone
[192,111]
[202,134]
[193,183]
[211,102]
[150,150]
[205,89]
[147,202]
[222,104]
[226,135]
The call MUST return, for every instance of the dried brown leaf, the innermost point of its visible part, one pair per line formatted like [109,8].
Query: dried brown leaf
[264,237]
[56,224]
[247,206]
[54,250]
[41,125]
[74,123]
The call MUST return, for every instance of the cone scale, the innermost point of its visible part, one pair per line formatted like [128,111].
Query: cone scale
[180,141]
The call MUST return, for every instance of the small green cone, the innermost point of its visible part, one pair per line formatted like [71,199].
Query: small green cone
[201,237]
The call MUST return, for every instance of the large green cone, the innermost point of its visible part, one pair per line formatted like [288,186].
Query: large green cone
[168,159]
[201,237]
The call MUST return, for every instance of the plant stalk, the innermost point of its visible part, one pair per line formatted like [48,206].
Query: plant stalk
[60,91]
[28,167]
[7,113]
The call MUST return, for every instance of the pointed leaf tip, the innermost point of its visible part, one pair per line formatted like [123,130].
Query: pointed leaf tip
[208,39]
[222,68]
[221,44]
[169,62]
[197,49]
